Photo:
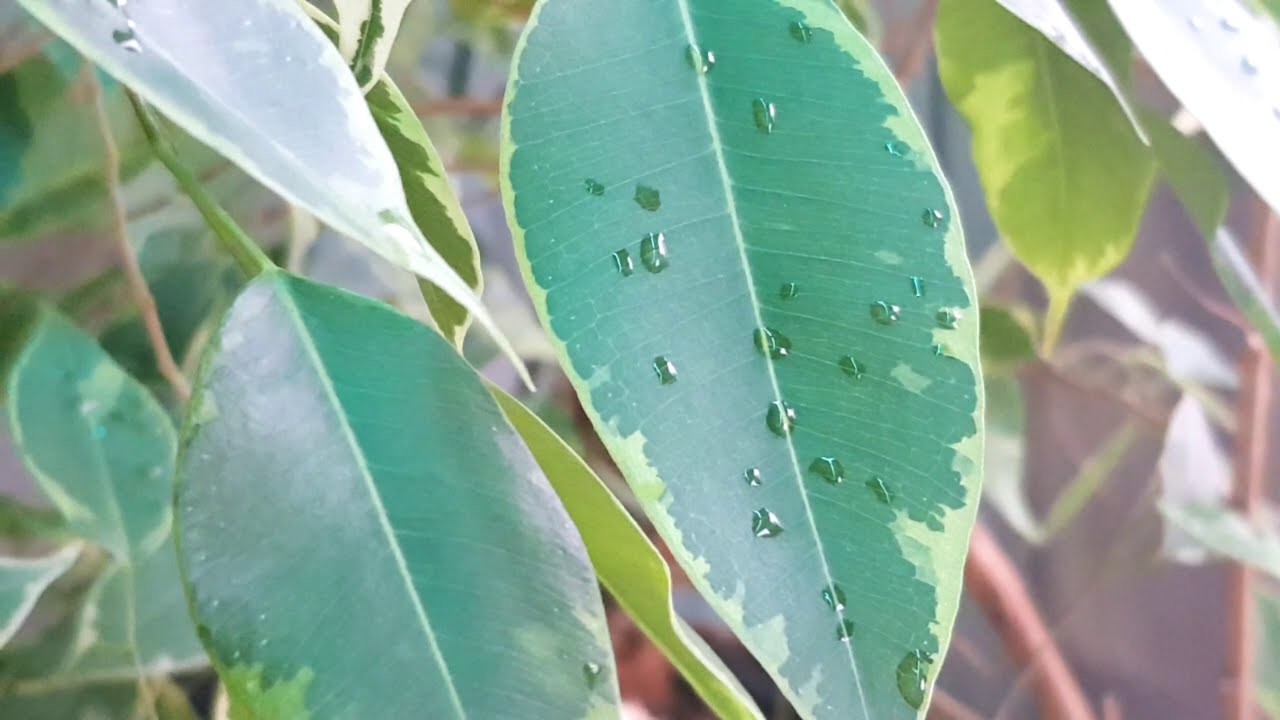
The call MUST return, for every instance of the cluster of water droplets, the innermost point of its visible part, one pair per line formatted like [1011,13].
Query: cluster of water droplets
[126,35]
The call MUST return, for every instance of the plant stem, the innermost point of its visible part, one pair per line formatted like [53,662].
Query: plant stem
[136,281]
[1252,412]
[992,580]
[247,254]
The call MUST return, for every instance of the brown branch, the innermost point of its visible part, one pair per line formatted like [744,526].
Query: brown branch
[1252,412]
[1201,296]
[138,290]
[1155,422]
[468,107]
[992,580]
[912,59]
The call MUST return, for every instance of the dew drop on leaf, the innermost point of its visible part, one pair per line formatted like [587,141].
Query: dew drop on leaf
[948,318]
[881,491]
[622,263]
[772,343]
[700,60]
[932,218]
[593,186]
[753,477]
[591,673]
[653,252]
[844,630]
[765,524]
[828,468]
[801,32]
[897,148]
[917,286]
[834,597]
[665,369]
[781,418]
[765,114]
[912,672]
[127,39]
[788,291]
[885,313]
[648,198]
[851,367]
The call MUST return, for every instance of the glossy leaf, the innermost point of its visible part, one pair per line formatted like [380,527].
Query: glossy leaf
[97,443]
[1223,63]
[1245,289]
[367,32]
[420,565]
[627,564]
[748,203]
[205,76]
[23,580]
[1066,178]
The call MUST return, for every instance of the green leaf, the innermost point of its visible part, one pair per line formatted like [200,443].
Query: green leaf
[1268,651]
[1007,338]
[1222,61]
[350,493]
[1193,173]
[863,15]
[206,77]
[23,581]
[627,564]
[1065,176]
[1245,289]
[97,443]
[784,186]
[367,32]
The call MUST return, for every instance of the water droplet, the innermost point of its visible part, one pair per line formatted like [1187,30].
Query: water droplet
[262,617]
[939,350]
[917,285]
[127,39]
[801,32]
[781,418]
[788,291]
[885,313]
[1248,65]
[648,198]
[912,675]
[591,673]
[897,148]
[844,630]
[765,114]
[1229,24]
[653,252]
[215,603]
[665,369]
[828,468]
[877,486]
[593,186]
[699,59]
[948,318]
[765,524]
[932,218]
[833,596]
[88,407]
[623,264]
[772,343]
[264,642]
[851,367]
[753,477]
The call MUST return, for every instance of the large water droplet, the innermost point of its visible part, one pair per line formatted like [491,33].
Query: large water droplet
[772,343]
[591,673]
[917,285]
[851,367]
[844,630]
[665,369]
[753,477]
[765,524]
[877,486]
[885,313]
[653,252]
[700,59]
[622,263]
[648,198]
[912,675]
[932,218]
[948,318]
[828,468]
[765,114]
[833,596]
[127,38]
[788,291]
[593,186]
[781,418]
[801,32]
[897,148]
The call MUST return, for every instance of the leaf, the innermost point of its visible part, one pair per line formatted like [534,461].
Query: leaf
[1223,63]
[205,76]
[1245,289]
[1092,474]
[340,506]
[1194,472]
[1056,21]
[1007,338]
[1268,651]
[627,564]
[1065,176]
[1225,533]
[23,581]
[1194,175]
[367,32]
[785,186]
[863,15]
[116,701]
[96,442]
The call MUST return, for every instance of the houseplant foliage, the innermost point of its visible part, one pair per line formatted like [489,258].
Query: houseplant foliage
[748,264]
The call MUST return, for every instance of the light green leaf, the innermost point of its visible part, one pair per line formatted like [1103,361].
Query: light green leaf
[773,177]
[23,581]
[356,516]
[1268,651]
[1245,289]
[97,443]
[206,76]
[1193,173]
[367,32]
[627,564]
[1223,62]
[863,15]
[1007,338]
[1065,176]
[1225,533]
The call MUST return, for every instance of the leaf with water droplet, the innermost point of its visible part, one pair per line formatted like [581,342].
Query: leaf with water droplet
[947,318]
[788,291]
[765,114]
[801,32]
[665,370]
[699,59]
[917,286]
[851,367]
[772,343]
[882,492]
[593,187]
[648,198]
[897,148]
[765,524]
[622,262]
[913,677]
[844,630]
[828,468]
[932,218]
[653,252]
[885,313]
[780,418]
[834,597]
[753,477]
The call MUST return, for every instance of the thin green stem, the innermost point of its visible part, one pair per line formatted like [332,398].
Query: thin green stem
[235,241]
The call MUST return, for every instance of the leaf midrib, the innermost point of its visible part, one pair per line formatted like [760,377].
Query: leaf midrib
[357,454]
[726,181]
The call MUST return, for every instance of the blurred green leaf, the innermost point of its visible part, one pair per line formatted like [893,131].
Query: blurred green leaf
[23,580]
[1193,172]
[322,419]
[367,32]
[1221,61]
[1194,473]
[863,15]
[1007,338]
[1268,650]
[1066,178]
[1245,289]
[627,564]
[1225,533]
